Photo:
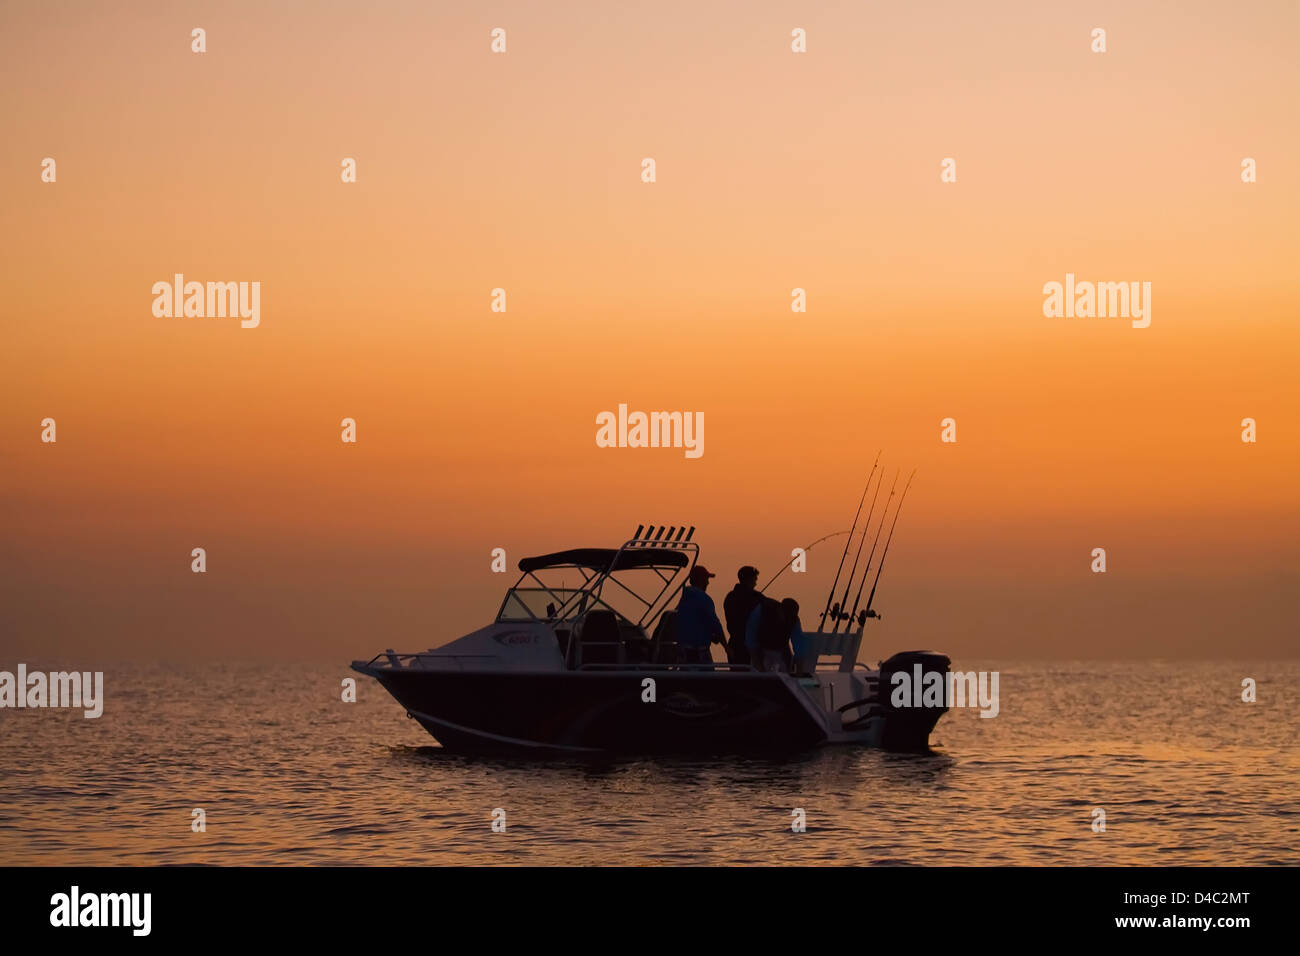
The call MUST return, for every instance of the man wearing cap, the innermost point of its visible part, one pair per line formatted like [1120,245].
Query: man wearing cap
[697,620]
[736,607]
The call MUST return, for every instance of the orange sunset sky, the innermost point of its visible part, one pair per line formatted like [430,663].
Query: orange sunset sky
[775,170]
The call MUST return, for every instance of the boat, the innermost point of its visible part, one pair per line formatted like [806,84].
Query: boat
[581,659]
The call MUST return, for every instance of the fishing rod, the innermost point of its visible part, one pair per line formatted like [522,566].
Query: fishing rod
[867,573]
[806,549]
[834,584]
[838,610]
[884,554]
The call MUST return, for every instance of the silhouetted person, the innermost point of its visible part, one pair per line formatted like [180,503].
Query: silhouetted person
[736,608]
[767,634]
[798,643]
[697,620]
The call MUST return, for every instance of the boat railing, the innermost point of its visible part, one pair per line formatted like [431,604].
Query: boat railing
[398,661]
[645,666]
[840,648]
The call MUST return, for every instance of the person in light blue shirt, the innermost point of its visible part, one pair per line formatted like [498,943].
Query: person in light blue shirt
[698,626]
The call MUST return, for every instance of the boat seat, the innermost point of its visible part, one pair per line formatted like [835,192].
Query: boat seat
[663,645]
[599,640]
[636,646]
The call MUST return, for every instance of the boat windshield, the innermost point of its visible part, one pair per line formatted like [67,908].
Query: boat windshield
[532,604]
[624,594]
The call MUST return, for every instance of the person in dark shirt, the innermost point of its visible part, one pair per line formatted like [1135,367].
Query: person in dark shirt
[798,646]
[768,633]
[736,607]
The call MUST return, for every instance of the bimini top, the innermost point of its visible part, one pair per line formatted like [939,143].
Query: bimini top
[602,559]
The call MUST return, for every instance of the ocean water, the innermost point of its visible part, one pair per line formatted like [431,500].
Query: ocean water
[289,774]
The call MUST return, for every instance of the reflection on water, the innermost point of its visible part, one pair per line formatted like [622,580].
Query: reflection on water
[287,773]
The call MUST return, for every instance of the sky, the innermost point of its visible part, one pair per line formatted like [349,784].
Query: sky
[523,171]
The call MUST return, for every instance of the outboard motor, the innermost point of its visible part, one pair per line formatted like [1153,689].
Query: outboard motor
[913,704]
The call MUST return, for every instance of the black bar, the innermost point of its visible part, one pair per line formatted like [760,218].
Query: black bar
[932,907]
